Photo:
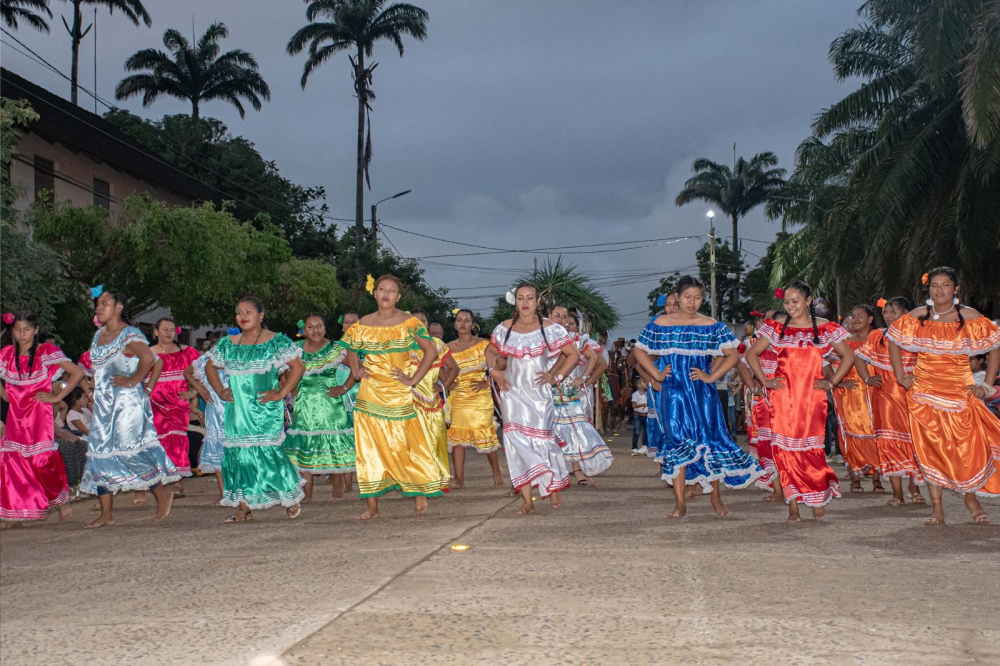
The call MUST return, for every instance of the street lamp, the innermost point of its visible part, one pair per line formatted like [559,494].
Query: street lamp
[711,255]
[375,216]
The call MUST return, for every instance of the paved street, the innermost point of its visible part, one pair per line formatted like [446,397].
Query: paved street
[607,579]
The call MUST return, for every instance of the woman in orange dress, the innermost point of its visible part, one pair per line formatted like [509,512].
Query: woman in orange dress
[854,409]
[797,395]
[955,436]
[891,413]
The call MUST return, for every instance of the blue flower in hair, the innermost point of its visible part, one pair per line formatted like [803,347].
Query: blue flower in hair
[661,300]
[96,291]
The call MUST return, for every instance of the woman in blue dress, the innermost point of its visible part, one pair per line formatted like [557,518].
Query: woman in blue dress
[687,353]
[124,451]
[214,444]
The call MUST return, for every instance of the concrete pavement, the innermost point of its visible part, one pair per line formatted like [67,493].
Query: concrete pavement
[607,579]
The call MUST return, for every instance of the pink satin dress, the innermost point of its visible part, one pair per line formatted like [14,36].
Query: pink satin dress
[171,413]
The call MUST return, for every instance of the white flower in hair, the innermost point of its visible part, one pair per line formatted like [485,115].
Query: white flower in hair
[510,297]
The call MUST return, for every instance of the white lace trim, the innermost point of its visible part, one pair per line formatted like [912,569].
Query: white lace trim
[677,351]
[172,432]
[230,444]
[144,446]
[314,433]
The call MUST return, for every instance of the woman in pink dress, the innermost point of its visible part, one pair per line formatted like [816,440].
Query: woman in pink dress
[32,473]
[171,396]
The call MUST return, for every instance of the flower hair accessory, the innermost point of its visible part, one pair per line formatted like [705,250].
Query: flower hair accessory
[509,297]
[454,313]
[178,330]
[370,285]
[779,293]
[96,291]
[661,300]
[340,319]
[301,324]
[8,318]
[881,303]
[233,330]
[924,279]
[97,322]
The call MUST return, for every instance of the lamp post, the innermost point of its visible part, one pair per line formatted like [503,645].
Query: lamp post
[375,218]
[711,255]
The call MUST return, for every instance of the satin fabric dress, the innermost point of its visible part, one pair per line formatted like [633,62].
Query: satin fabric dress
[430,406]
[85,364]
[32,472]
[471,407]
[955,436]
[580,441]
[254,468]
[798,411]
[857,425]
[529,440]
[171,412]
[392,450]
[696,436]
[213,446]
[321,437]
[889,408]
[586,393]
[759,411]
[654,431]
[124,451]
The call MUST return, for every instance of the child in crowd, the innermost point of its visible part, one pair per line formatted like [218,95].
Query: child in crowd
[639,411]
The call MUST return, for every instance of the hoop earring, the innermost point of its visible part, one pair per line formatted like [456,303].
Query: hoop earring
[954,301]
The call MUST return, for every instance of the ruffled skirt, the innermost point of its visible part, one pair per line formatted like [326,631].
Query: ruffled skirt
[128,468]
[29,485]
[534,458]
[260,477]
[583,444]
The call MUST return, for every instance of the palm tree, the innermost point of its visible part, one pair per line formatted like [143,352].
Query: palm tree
[132,9]
[195,73]
[356,24]
[28,11]
[734,191]
[924,189]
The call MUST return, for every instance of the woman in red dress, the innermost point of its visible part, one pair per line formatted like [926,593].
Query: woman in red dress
[797,395]
[891,413]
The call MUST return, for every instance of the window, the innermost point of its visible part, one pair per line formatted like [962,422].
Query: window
[102,193]
[44,177]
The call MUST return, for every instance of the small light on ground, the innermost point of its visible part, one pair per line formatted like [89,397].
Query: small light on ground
[616,434]
[459,546]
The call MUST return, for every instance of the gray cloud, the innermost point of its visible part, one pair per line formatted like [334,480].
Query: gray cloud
[520,123]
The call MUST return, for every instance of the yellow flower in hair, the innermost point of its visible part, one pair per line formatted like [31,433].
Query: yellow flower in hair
[370,284]
[454,313]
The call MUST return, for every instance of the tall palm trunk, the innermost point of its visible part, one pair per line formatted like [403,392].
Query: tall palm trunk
[359,203]
[76,36]
[736,268]
[195,111]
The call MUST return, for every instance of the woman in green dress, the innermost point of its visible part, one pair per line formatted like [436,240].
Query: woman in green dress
[256,474]
[321,438]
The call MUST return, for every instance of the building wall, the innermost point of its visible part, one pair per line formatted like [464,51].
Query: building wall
[74,176]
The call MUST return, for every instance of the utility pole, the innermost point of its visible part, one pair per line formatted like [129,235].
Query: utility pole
[711,255]
[360,232]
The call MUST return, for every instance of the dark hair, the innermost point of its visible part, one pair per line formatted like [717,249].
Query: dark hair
[472,315]
[45,336]
[254,301]
[952,275]
[434,323]
[156,338]
[73,396]
[31,318]
[576,319]
[688,282]
[541,318]
[390,277]
[318,315]
[901,302]
[868,310]
[806,291]
[119,298]
[979,357]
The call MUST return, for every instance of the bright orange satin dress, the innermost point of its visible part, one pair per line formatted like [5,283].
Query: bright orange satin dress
[857,427]
[798,412]
[955,436]
[889,408]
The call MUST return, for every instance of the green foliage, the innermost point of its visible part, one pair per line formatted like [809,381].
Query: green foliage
[561,284]
[31,276]
[304,286]
[195,73]
[29,11]
[667,286]
[231,164]
[727,263]
[195,261]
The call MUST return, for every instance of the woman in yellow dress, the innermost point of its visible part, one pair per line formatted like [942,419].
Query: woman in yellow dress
[471,401]
[392,450]
[428,401]
[956,438]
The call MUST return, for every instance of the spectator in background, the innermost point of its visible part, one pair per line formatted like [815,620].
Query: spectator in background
[639,410]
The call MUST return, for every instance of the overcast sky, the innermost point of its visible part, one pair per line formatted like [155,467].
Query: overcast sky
[517,123]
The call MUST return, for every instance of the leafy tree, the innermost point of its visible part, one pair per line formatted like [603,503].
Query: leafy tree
[356,24]
[667,286]
[734,191]
[205,149]
[728,266]
[304,286]
[29,11]
[196,73]
[562,284]
[132,9]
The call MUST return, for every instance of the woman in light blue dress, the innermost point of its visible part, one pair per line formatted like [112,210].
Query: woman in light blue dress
[213,446]
[124,452]
[687,353]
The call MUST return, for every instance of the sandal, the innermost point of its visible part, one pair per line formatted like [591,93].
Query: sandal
[247,516]
[856,486]
[895,502]
[982,517]
[917,498]
[294,511]
[581,482]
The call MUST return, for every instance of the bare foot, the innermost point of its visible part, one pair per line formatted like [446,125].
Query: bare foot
[896,501]
[217,502]
[497,480]
[793,513]
[720,508]
[526,509]
[458,484]
[776,496]
[690,492]
[10,526]
[679,511]
[818,512]
[420,505]
[555,499]
[139,499]
[164,502]
[513,492]
[65,512]
[369,514]
[102,521]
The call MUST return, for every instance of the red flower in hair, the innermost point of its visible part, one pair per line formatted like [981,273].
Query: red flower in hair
[779,293]
[881,303]
[924,278]
[8,318]
[178,330]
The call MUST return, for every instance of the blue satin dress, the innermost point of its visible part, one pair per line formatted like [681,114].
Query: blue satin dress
[123,452]
[695,435]
[213,446]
